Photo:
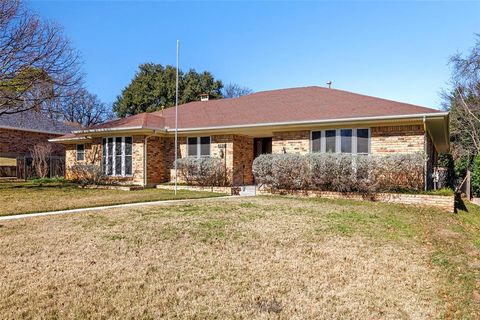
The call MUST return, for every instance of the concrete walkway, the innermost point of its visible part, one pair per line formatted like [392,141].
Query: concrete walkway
[127,205]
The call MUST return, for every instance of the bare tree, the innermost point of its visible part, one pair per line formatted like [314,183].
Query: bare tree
[41,154]
[233,90]
[463,102]
[37,63]
[81,107]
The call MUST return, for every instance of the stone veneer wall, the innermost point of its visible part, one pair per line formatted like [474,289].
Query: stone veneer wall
[397,139]
[384,139]
[293,142]
[18,142]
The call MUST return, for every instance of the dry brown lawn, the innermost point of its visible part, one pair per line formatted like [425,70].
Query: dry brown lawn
[263,258]
[28,197]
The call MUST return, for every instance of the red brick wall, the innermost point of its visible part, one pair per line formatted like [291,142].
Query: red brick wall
[20,142]
[242,158]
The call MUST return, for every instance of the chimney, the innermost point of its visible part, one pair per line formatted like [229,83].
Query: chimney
[204,97]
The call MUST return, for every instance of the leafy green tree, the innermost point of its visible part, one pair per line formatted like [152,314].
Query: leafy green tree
[476,175]
[153,87]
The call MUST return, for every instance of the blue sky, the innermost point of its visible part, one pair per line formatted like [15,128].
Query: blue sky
[394,50]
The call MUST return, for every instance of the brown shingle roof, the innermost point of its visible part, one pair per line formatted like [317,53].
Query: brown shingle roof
[142,120]
[276,106]
[286,105]
[31,120]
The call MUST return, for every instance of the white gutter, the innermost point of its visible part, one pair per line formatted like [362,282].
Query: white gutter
[307,122]
[67,139]
[111,129]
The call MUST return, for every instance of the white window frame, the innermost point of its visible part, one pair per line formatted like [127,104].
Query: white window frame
[76,149]
[369,137]
[105,156]
[338,140]
[199,147]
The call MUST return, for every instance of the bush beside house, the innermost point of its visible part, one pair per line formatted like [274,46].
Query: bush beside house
[205,171]
[341,172]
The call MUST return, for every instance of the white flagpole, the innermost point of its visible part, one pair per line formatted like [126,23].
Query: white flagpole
[176,120]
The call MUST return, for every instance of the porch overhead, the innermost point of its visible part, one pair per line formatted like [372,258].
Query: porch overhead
[438,128]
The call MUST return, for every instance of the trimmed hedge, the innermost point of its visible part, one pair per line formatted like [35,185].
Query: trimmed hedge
[207,171]
[87,174]
[340,172]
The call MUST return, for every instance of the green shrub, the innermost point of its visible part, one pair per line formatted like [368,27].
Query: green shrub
[476,175]
[445,160]
[441,192]
[461,166]
[49,180]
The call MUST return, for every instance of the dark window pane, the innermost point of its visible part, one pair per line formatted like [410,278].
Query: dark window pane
[346,140]
[118,156]
[80,152]
[104,156]
[205,146]
[118,165]
[192,147]
[330,140]
[118,146]
[110,156]
[128,146]
[316,141]
[128,165]
[362,140]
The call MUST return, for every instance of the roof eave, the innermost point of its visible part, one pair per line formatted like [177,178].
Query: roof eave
[418,116]
[116,129]
[69,139]
[31,130]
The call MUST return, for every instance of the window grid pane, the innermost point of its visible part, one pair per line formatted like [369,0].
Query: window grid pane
[128,156]
[316,141]
[80,152]
[346,140]
[128,165]
[330,140]
[110,156]
[204,146]
[362,141]
[192,147]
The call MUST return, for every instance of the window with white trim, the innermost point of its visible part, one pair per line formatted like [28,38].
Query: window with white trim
[198,147]
[356,141]
[80,152]
[117,156]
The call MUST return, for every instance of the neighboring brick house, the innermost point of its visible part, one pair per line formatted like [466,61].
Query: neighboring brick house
[20,132]
[140,149]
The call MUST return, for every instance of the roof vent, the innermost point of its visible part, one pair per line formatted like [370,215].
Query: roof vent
[204,97]
[329,84]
